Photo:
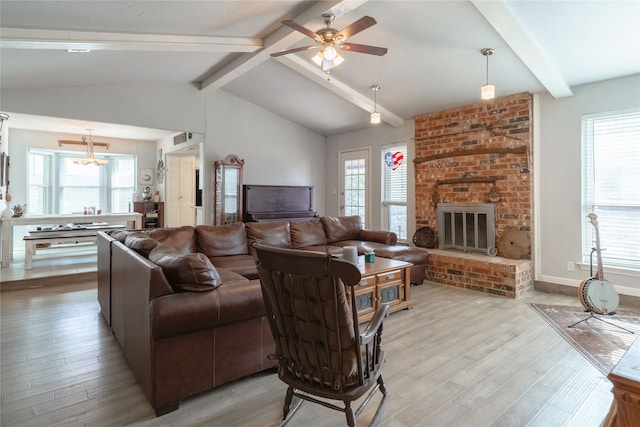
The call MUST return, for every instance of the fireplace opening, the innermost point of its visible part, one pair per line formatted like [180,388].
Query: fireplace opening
[467,227]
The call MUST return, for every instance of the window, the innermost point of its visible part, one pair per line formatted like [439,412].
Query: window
[40,179]
[394,189]
[611,174]
[354,182]
[56,185]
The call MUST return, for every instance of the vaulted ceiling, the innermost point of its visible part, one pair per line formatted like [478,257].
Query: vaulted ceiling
[433,60]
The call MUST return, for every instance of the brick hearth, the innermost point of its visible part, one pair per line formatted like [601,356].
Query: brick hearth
[511,278]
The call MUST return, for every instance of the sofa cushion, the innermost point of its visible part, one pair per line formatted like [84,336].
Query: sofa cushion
[277,233]
[188,311]
[186,272]
[342,227]
[141,243]
[307,233]
[244,265]
[183,239]
[222,240]
[403,253]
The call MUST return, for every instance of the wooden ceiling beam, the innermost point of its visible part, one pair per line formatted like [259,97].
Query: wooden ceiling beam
[280,39]
[21,38]
[514,32]
[314,73]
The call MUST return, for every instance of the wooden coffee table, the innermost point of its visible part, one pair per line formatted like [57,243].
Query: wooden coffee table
[383,281]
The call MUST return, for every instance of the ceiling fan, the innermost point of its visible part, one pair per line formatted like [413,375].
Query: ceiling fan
[329,40]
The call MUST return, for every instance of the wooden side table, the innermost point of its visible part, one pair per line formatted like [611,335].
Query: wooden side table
[625,376]
[383,281]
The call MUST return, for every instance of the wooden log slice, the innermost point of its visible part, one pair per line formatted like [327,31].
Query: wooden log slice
[514,244]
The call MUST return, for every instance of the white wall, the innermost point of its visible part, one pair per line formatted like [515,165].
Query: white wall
[171,107]
[276,151]
[558,205]
[374,137]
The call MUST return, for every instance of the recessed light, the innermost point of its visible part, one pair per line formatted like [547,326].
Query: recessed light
[78,50]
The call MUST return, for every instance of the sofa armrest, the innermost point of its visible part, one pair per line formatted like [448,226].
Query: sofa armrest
[385,237]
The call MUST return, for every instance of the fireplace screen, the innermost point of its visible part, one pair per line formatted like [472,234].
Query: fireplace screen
[469,227]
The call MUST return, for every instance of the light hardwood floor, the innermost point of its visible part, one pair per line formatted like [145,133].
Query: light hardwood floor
[459,358]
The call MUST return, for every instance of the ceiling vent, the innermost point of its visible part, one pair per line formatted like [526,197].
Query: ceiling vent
[182,137]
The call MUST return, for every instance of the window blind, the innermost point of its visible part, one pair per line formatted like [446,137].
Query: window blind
[394,175]
[611,172]
[394,189]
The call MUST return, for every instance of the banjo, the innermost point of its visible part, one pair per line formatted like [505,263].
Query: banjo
[595,293]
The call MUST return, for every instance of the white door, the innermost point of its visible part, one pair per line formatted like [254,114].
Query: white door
[355,179]
[187,191]
[180,191]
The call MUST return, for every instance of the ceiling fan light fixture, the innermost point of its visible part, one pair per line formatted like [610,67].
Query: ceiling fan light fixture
[330,41]
[328,58]
[330,53]
[487,91]
[317,58]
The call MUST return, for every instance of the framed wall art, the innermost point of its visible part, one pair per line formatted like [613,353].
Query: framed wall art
[145,177]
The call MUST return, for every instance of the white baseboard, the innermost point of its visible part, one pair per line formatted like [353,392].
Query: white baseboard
[622,290]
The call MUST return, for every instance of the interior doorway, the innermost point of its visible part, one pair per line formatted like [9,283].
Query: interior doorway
[181,187]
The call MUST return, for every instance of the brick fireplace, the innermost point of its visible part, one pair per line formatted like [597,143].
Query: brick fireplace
[479,154]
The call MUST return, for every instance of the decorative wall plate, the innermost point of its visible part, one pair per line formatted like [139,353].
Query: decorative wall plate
[160,172]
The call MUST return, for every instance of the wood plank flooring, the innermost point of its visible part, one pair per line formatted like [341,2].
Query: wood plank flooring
[459,358]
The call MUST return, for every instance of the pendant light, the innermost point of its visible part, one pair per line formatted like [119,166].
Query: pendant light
[487,91]
[375,116]
[89,158]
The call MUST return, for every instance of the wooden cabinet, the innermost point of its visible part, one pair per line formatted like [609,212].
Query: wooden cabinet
[625,377]
[383,281]
[227,198]
[152,213]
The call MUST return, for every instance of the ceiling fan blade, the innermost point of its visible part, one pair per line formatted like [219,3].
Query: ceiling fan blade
[297,49]
[363,48]
[298,27]
[361,24]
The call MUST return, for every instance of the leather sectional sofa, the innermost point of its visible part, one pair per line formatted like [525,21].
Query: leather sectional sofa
[185,303]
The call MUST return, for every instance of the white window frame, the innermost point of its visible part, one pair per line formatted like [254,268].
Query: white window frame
[54,194]
[350,155]
[610,174]
[388,201]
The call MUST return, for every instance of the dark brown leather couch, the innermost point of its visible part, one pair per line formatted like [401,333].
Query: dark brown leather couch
[180,340]
[185,303]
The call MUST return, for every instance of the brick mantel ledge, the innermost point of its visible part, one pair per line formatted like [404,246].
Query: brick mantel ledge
[512,278]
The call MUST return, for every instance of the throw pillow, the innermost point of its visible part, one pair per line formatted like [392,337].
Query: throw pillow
[120,235]
[186,272]
[141,243]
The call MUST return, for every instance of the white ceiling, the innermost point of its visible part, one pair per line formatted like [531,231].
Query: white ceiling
[433,62]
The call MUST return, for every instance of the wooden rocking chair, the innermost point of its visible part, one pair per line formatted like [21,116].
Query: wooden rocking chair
[320,349]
